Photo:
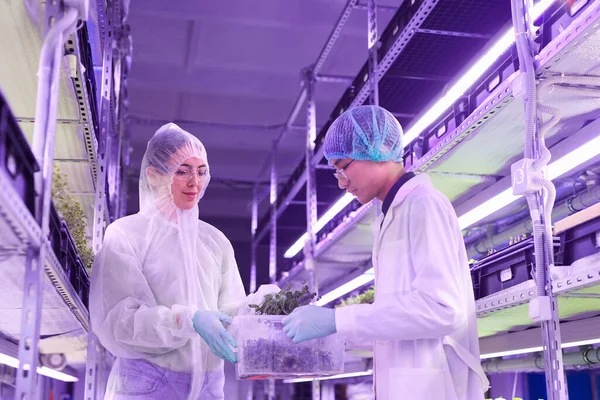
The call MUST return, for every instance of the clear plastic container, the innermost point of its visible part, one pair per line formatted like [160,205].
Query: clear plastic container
[264,351]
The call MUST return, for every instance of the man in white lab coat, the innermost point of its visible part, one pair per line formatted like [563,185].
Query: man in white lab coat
[422,323]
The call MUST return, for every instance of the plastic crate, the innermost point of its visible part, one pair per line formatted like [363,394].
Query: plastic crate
[506,268]
[57,234]
[16,157]
[64,248]
[264,351]
[580,241]
[81,281]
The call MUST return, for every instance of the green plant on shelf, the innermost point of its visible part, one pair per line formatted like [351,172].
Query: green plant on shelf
[367,297]
[71,211]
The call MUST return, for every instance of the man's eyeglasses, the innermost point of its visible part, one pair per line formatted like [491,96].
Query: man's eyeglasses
[340,174]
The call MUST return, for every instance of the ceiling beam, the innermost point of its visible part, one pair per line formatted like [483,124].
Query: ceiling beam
[193,45]
[455,34]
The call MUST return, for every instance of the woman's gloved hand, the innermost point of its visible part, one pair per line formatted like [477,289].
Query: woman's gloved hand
[209,325]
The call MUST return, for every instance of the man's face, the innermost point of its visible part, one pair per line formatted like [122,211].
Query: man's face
[362,179]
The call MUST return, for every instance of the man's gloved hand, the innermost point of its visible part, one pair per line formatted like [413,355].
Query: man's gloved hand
[309,322]
[209,326]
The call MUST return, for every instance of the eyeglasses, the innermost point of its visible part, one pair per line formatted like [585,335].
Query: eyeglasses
[186,173]
[340,174]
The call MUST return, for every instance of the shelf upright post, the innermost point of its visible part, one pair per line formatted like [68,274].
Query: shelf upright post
[123,153]
[311,186]
[59,21]
[253,244]
[271,389]
[108,18]
[311,193]
[534,148]
[106,107]
[273,205]
[556,385]
[273,242]
[373,40]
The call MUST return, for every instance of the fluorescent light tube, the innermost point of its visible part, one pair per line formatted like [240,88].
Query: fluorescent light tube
[347,287]
[50,373]
[538,349]
[575,158]
[512,352]
[556,169]
[487,208]
[470,77]
[325,378]
[54,374]
[8,360]
[332,212]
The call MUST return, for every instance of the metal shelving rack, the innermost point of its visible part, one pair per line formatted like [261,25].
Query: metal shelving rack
[342,251]
[24,238]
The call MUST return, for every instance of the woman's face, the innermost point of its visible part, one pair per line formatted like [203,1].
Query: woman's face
[188,182]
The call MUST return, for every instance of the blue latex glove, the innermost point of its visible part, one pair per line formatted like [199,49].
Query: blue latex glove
[309,322]
[209,325]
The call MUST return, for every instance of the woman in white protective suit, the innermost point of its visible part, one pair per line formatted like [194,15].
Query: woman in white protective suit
[422,322]
[164,282]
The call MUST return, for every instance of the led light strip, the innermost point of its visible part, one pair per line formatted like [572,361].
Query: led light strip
[537,349]
[457,90]
[50,373]
[558,168]
[326,378]
[328,216]
[346,288]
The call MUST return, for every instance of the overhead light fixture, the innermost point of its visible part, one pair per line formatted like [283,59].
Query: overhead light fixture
[470,77]
[54,374]
[327,378]
[332,212]
[537,349]
[50,373]
[457,90]
[556,169]
[347,287]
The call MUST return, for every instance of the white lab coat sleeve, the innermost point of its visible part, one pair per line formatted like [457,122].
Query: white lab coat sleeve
[358,343]
[123,310]
[231,293]
[433,307]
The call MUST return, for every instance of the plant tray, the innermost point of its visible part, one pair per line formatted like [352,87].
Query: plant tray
[265,352]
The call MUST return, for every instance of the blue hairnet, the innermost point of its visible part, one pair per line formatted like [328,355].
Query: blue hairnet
[364,133]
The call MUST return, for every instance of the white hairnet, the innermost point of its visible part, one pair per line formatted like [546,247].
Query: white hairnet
[158,267]
[364,133]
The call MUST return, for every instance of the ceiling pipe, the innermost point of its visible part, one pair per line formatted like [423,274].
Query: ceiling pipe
[480,242]
[588,358]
